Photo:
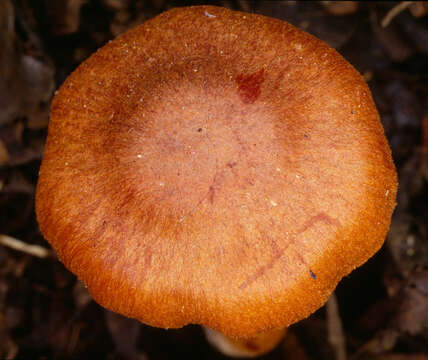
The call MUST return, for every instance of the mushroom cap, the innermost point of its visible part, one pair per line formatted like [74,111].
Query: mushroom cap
[215,167]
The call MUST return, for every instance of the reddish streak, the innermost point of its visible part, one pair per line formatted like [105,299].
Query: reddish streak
[147,256]
[211,194]
[278,252]
[249,86]
[321,217]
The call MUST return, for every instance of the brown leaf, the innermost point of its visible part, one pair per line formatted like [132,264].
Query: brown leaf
[340,8]
[27,82]
[397,356]
[4,154]
[413,312]
[64,15]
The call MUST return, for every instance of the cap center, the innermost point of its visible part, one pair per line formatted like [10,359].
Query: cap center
[207,153]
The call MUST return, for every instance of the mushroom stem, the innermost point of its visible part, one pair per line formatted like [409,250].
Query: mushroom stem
[245,347]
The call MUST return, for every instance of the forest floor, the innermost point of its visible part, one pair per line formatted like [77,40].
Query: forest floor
[46,313]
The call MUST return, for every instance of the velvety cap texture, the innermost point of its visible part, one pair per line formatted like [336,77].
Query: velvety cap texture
[215,167]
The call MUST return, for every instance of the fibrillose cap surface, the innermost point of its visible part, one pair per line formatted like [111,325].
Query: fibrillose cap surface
[215,167]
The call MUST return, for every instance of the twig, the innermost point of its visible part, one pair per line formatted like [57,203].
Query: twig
[425,132]
[336,336]
[19,245]
[391,14]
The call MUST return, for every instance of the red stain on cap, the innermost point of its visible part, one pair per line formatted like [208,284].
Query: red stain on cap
[249,86]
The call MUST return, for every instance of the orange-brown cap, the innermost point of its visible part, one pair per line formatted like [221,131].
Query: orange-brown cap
[215,167]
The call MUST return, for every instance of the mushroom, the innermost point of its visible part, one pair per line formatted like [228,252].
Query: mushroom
[215,167]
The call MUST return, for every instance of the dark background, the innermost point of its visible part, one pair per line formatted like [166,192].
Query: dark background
[46,313]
